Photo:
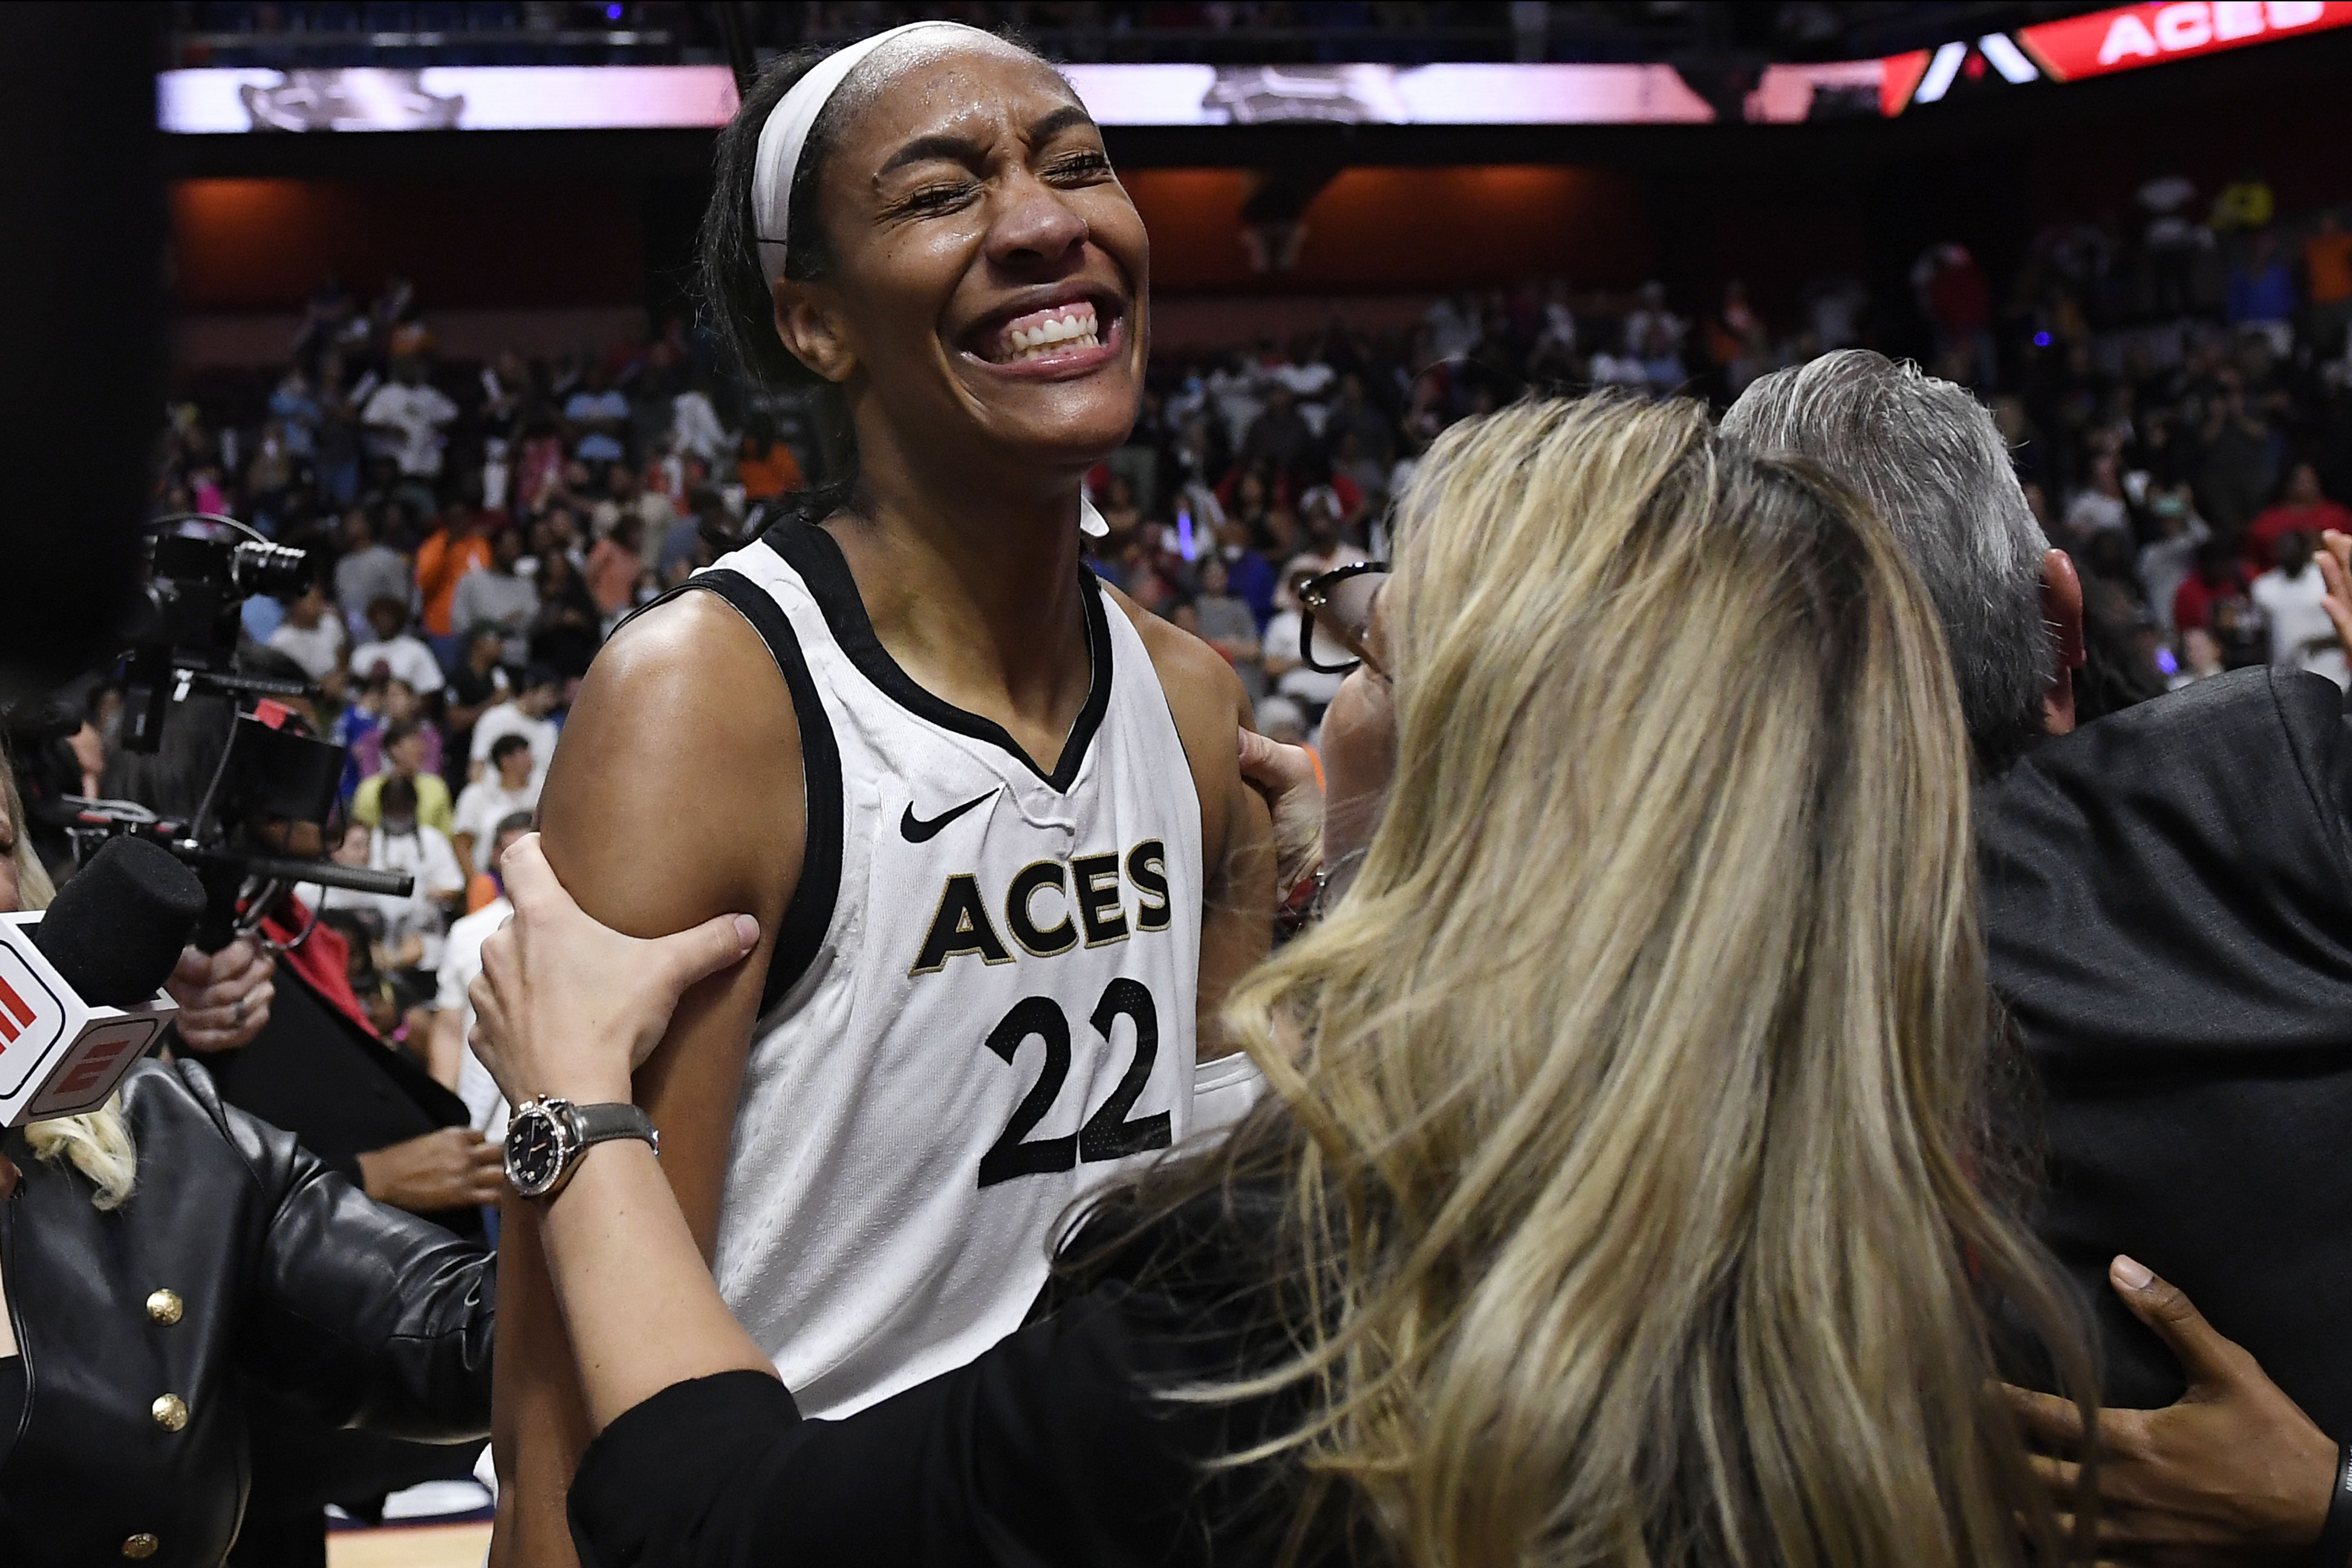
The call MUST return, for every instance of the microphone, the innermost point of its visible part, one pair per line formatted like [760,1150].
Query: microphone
[81,984]
[115,931]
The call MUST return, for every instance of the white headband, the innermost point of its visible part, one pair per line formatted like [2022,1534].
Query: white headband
[787,132]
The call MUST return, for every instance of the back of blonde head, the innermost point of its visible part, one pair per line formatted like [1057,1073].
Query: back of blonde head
[1633,1078]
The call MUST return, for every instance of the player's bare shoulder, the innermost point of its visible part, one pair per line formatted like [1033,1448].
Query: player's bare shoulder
[687,637]
[1204,691]
[681,752]
[690,672]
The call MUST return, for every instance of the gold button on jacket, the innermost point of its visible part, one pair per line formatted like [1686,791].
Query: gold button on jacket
[169,1411]
[164,1306]
[139,1545]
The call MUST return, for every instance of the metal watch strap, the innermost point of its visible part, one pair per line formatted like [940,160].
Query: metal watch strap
[604,1124]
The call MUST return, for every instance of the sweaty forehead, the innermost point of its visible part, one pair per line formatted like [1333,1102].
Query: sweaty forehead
[930,82]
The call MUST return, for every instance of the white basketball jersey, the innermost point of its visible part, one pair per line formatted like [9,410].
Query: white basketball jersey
[981,1002]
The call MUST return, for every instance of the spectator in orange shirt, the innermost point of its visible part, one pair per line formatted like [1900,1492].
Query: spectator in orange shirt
[459,544]
[2327,281]
[614,566]
[765,466]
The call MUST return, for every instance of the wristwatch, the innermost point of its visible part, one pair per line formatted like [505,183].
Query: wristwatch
[546,1137]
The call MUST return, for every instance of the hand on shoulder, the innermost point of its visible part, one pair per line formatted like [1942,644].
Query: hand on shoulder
[567,1005]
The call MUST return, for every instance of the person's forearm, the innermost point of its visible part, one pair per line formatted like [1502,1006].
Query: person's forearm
[636,1298]
[444,1047]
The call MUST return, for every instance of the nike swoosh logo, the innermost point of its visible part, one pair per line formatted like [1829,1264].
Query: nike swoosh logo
[918,831]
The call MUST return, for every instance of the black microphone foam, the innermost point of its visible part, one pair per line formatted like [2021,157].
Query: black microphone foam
[116,929]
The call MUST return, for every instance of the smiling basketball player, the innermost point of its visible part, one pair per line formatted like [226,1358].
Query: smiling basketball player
[986,811]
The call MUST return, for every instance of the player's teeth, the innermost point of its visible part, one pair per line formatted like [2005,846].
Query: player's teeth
[1076,329]
[1075,326]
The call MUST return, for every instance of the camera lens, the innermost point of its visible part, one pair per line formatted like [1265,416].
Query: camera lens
[277,570]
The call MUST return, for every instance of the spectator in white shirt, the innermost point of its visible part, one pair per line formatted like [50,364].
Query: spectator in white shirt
[2289,594]
[453,1020]
[1286,669]
[1310,384]
[2166,561]
[507,789]
[400,843]
[406,415]
[695,427]
[525,714]
[1454,325]
[399,651]
[310,635]
[2101,507]
[1232,391]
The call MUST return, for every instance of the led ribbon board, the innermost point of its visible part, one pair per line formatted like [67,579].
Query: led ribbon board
[223,102]
[2131,36]
[2100,43]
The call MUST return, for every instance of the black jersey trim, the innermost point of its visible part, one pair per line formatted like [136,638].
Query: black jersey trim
[814,554]
[801,933]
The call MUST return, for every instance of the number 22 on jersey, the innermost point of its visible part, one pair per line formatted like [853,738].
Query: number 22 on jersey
[1109,1133]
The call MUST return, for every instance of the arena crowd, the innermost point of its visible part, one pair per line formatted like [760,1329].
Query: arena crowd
[2177,399]
[2176,396]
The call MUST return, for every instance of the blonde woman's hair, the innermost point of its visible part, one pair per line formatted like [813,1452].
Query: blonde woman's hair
[97,1143]
[1631,1090]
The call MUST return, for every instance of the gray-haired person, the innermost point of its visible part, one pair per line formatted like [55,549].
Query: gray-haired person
[2167,899]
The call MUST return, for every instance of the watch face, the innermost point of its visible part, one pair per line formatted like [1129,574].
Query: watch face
[534,1152]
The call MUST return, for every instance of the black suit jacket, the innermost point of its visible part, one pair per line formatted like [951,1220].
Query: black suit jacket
[2168,900]
[289,1282]
[313,1071]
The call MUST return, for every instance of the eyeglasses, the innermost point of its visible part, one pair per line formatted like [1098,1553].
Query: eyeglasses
[1334,621]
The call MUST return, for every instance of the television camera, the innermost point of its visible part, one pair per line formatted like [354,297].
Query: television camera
[273,777]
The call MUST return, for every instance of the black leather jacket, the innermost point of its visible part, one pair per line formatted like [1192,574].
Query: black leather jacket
[239,1254]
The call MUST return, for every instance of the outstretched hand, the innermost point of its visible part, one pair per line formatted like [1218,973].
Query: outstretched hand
[2233,1472]
[567,1005]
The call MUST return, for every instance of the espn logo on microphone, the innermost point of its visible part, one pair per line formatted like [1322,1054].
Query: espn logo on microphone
[60,1055]
[15,1016]
[32,1019]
